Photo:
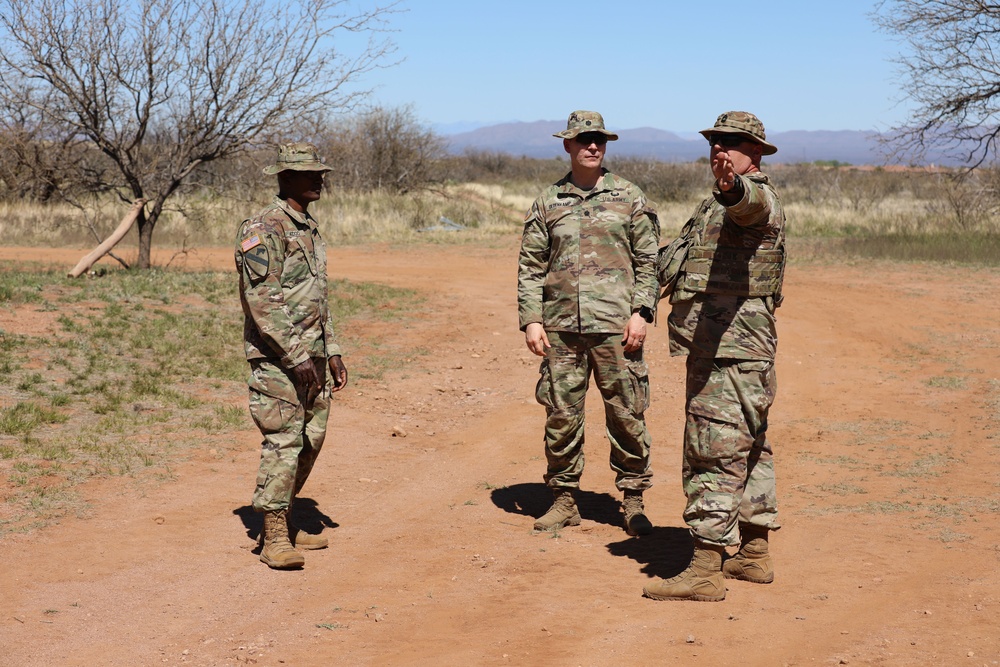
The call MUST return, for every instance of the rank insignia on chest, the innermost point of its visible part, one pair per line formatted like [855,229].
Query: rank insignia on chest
[256,260]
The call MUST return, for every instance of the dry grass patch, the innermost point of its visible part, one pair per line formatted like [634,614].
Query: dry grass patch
[833,213]
[131,370]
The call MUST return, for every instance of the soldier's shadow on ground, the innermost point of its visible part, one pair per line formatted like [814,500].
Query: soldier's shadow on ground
[664,553]
[306,514]
[534,499]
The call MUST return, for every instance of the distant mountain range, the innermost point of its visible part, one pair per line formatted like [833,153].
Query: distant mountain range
[536,140]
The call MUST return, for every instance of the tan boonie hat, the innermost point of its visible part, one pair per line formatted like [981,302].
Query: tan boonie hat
[584,121]
[743,123]
[299,156]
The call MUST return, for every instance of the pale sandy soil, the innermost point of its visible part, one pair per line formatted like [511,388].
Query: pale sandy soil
[888,484]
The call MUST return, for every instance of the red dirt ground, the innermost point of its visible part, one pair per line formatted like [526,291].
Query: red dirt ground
[886,432]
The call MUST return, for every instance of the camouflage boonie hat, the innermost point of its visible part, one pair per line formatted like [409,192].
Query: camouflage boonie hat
[743,123]
[584,121]
[299,156]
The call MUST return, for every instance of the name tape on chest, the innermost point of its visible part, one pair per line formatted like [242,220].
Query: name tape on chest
[565,199]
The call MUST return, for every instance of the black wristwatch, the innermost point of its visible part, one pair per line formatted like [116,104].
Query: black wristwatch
[737,188]
[646,313]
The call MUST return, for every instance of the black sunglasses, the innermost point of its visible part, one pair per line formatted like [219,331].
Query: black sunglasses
[587,138]
[727,140]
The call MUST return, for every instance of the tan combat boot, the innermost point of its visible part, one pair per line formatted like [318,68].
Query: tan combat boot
[636,522]
[702,580]
[752,562]
[562,513]
[278,552]
[301,539]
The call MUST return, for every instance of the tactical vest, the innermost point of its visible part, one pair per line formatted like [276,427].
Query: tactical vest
[747,272]
[732,271]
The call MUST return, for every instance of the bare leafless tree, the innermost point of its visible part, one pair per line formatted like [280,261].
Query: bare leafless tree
[951,71]
[162,87]
[41,161]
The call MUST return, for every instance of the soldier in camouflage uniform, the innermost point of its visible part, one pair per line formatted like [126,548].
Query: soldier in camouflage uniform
[586,289]
[723,319]
[290,344]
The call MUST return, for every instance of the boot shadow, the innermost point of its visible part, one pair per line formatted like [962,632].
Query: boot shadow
[305,514]
[663,554]
[534,499]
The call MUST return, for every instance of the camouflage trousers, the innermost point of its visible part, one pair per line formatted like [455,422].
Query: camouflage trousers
[624,383]
[293,434]
[728,469]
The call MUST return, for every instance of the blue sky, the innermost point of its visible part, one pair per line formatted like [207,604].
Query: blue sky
[799,65]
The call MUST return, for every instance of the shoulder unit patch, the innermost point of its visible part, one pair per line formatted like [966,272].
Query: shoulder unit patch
[256,259]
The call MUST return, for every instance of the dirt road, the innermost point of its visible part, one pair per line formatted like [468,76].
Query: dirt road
[886,431]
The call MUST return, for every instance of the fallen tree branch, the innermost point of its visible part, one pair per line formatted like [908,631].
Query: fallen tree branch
[97,237]
[110,242]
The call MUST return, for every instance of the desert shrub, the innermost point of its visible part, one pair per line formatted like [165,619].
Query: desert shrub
[381,149]
[493,167]
[665,181]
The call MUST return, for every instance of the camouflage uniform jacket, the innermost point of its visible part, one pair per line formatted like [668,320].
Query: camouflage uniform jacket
[588,257]
[720,325]
[281,259]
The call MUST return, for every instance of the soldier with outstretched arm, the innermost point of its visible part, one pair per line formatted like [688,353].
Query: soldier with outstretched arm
[723,320]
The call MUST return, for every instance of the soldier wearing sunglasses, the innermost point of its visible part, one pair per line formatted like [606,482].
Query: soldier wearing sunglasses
[586,290]
[723,320]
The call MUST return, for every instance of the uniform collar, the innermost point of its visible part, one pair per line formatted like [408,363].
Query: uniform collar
[299,218]
[604,183]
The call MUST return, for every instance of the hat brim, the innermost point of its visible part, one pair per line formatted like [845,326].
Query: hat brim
[769,149]
[571,134]
[273,169]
